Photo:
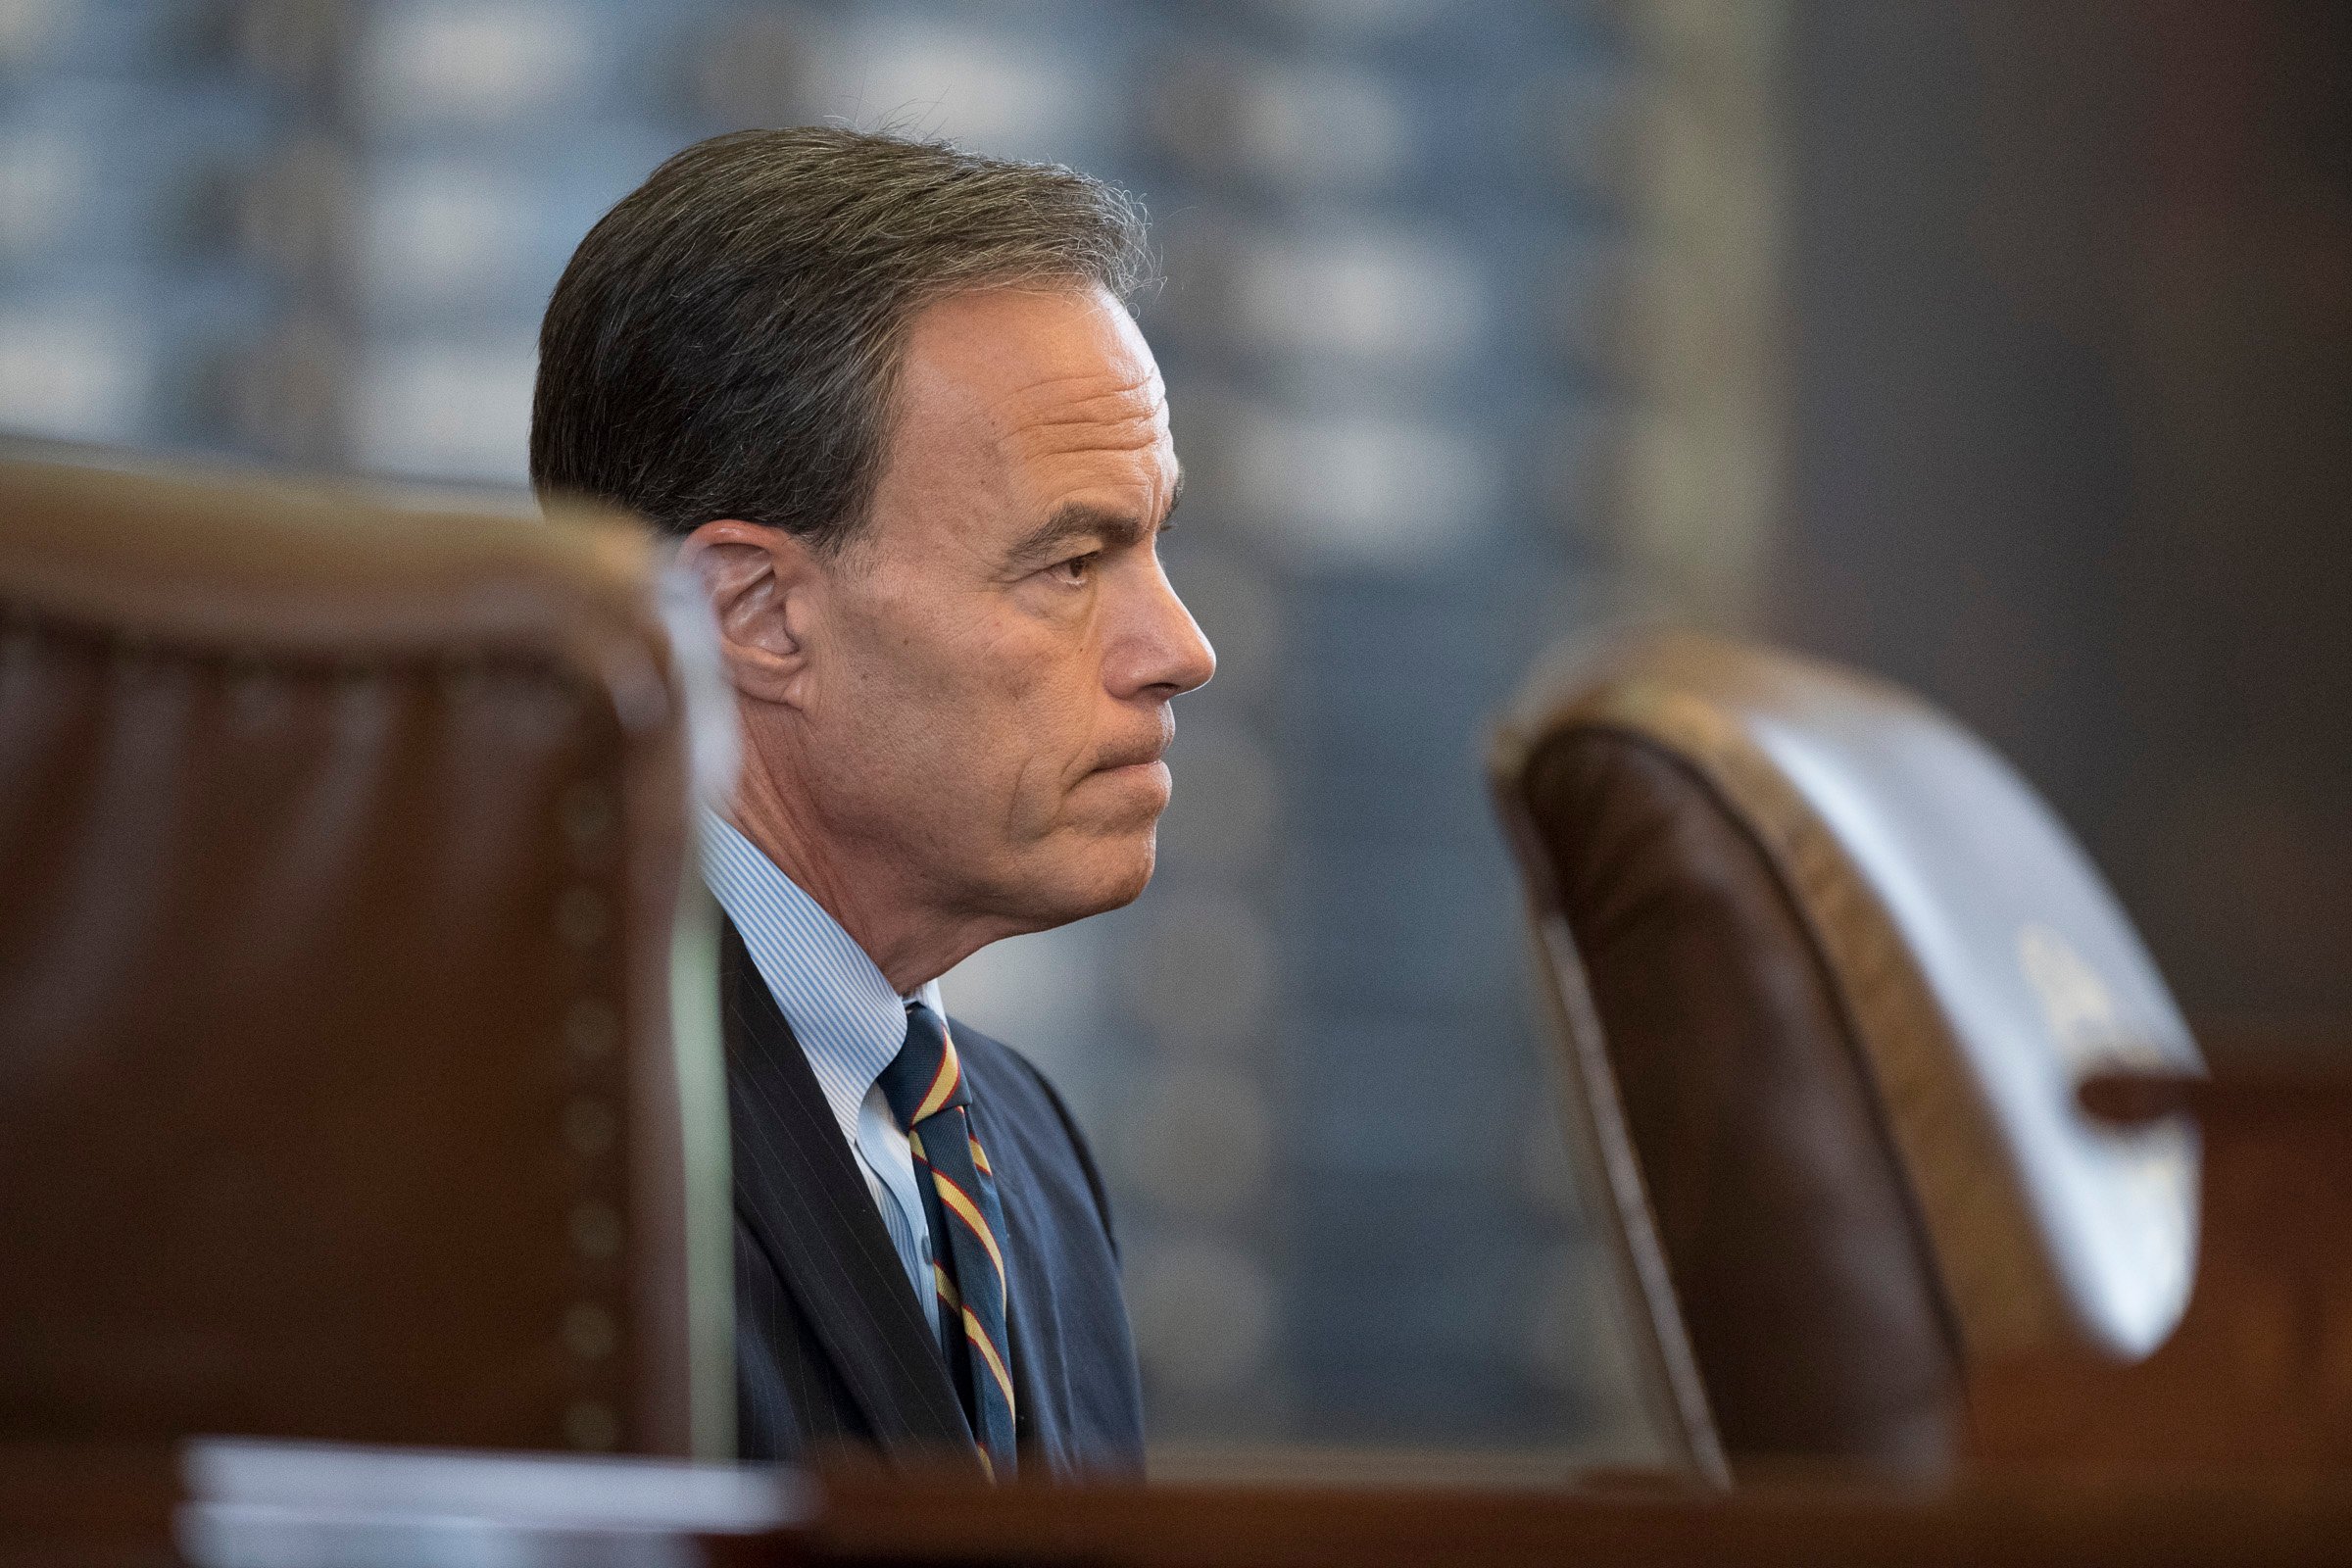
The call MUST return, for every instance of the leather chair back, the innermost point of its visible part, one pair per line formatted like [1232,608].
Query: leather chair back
[1830,976]
[341,851]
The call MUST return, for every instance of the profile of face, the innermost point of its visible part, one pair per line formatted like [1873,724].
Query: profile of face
[953,726]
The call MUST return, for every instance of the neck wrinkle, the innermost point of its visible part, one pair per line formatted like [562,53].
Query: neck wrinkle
[911,951]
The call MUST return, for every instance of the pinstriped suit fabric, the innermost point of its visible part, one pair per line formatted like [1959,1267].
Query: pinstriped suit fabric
[842,1009]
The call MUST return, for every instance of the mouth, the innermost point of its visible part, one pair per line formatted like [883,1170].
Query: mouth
[1135,756]
[1140,775]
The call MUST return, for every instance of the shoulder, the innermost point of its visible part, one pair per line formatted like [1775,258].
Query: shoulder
[1012,1088]
[996,1065]
[1013,1095]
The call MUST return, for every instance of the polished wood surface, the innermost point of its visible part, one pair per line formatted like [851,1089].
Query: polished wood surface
[87,1506]
[2232,1444]
[2027,1524]
[114,1510]
[2258,1376]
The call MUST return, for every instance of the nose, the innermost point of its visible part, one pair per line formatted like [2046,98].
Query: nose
[1166,655]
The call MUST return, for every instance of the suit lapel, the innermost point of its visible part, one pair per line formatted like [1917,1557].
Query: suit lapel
[798,1192]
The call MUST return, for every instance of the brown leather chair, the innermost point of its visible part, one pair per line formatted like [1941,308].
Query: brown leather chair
[1828,976]
[341,848]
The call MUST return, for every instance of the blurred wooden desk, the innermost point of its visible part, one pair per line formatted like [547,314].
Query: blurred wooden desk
[118,1512]
[2258,1376]
[2233,1445]
[1234,1528]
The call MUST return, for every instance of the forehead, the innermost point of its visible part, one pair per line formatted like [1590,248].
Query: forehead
[1054,384]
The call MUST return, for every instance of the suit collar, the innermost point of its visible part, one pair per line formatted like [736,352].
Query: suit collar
[799,1193]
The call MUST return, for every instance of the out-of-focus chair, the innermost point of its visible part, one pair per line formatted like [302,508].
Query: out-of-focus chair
[340,853]
[1828,976]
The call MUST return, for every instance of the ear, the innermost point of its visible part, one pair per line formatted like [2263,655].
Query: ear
[763,585]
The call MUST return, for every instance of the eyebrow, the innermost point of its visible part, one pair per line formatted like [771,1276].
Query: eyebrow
[1071,524]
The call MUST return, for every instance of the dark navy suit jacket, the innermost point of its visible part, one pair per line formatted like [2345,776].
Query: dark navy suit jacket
[832,1349]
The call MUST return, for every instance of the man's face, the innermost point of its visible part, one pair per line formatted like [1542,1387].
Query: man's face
[992,658]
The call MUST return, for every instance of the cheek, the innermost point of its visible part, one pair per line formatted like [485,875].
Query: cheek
[988,721]
[1046,736]
[978,727]
[894,731]
[1043,711]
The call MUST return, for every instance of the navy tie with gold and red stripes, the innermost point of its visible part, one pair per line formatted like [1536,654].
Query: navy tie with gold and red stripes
[927,1094]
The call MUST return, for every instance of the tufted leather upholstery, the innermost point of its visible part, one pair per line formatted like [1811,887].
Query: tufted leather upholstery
[341,848]
[1830,976]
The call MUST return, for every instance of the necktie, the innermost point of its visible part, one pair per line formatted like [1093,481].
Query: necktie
[925,1087]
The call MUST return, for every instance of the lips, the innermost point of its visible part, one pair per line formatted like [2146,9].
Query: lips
[1140,750]
[1139,753]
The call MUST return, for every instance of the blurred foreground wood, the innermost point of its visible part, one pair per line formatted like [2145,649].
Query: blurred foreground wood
[90,1507]
[2232,1444]
[107,1511]
[1230,1528]
[2258,1376]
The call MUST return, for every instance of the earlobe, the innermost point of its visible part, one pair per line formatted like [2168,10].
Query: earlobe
[759,582]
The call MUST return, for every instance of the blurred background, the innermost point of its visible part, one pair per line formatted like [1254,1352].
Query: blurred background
[2003,348]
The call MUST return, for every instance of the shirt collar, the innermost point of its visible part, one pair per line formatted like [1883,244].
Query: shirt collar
[842,1009]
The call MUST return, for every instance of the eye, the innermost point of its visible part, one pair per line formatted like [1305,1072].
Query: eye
[1076,571]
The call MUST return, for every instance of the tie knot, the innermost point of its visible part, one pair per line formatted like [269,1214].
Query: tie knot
[924,1078]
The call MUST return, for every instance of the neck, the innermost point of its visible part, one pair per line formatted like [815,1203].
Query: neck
[884,911]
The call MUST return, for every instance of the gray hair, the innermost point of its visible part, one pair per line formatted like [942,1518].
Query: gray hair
[725,341]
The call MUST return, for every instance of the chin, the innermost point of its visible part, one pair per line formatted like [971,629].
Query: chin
[1130,887]
[1108,876]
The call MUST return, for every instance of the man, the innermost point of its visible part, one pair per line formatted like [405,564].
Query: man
[889,398]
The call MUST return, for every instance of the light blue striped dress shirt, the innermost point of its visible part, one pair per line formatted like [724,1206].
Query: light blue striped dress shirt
[848,1019]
